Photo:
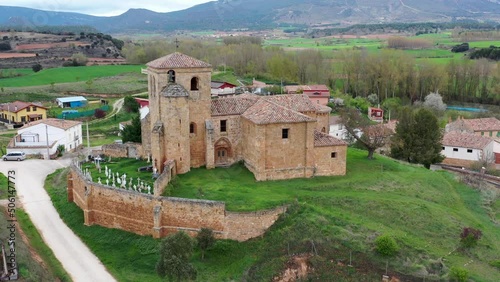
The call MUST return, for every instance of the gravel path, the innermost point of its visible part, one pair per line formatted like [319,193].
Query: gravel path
[75,257]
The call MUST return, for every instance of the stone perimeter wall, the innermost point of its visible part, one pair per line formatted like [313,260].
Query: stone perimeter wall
[160,216]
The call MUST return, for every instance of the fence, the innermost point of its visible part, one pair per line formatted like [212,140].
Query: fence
[87,113]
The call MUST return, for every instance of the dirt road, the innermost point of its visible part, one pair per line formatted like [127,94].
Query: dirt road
[75,257]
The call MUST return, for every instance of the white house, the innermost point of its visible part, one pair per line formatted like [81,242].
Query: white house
[464,149]
[32,138]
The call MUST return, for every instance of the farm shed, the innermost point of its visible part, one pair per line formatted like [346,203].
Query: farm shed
[71,102]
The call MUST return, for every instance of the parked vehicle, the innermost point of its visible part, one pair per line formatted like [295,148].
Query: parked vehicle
[14,156]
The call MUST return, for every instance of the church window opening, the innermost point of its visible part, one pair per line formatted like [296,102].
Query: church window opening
[192,128]
[171,76]
[323,130]
[194,84]
[284,133]
[223,125]
[334,155]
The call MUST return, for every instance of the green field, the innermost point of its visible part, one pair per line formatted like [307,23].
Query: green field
[423,210]
[67,74]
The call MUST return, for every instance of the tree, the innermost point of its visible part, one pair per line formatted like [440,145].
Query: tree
[434,102]
[130,104]
[205,240]
[37,67]
[132,132]
[372,137]
[175,251]
[418,138]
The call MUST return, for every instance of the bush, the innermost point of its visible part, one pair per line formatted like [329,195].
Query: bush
[37,67]
[98,113]
[495,263]
[5,46]
[469,237]
[459,274]
[460,48]
[386,245]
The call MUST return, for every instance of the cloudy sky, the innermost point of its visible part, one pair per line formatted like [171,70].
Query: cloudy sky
[103,7]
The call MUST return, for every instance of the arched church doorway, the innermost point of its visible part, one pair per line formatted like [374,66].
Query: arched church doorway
[223,153]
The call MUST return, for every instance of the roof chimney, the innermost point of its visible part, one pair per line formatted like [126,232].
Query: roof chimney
[15,108]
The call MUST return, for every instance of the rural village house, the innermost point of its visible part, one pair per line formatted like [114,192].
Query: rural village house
[22,112]
[319,94]
[221,88]
[488,128]
[32,138]
[277,137]
[464,149]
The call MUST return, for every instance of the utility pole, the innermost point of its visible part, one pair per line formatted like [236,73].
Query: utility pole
[88,141]
[47,136]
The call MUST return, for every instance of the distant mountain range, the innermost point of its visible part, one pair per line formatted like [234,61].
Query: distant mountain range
[259,14]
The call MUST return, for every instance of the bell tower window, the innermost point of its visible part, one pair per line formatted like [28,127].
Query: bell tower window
[171,76]
[194,84]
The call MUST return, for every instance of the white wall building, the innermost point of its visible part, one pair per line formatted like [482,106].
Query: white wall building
[32,138]
[463,149]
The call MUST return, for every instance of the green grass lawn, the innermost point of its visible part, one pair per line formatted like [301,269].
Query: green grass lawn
[3,186]
[6,73]
[68,74]
[423,210]
[106,131]
[29,268]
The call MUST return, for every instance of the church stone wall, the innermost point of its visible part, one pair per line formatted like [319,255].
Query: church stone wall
[233,134]
[236,224]
[326,165]
[159,216]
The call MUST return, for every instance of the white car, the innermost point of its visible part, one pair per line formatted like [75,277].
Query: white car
[14,156]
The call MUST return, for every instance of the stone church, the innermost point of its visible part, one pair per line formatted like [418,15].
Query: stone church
[276,137]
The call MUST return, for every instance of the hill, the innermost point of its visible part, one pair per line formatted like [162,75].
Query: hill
[55,48]
[258,14]
[334,218]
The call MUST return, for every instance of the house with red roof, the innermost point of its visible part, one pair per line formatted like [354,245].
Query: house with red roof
[32,137]
[19,113]
[464,149]
[276,137]
[319,94]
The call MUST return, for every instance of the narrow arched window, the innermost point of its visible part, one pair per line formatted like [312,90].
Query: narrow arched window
[194,83]
[171,76]
[323,130]
[192,128]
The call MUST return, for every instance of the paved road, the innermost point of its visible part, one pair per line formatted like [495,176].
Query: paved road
[75,257]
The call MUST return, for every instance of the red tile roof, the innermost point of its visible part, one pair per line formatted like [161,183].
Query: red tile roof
[324,140]
[177,60]
[297,102]
[232,105]
[483,124]
[17,106]
[465,140]
[59,123]
[266,111]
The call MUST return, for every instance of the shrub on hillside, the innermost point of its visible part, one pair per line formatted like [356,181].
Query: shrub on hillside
[98,113]
[469,237]
[37,67]
[386,245]
[459,274]
[5,46]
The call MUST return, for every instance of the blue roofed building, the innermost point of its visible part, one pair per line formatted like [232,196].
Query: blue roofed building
[71,102]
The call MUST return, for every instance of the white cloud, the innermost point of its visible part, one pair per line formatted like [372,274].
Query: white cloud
[103,7]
